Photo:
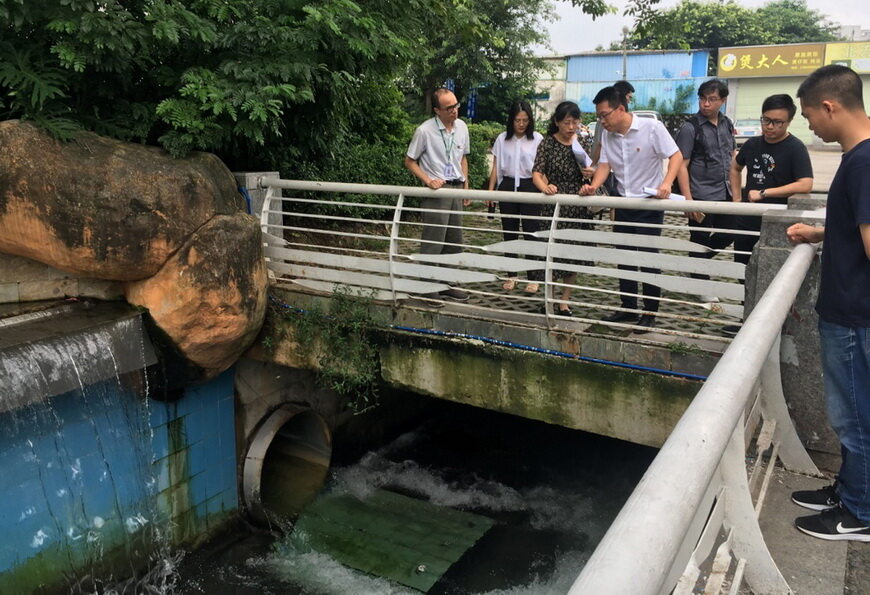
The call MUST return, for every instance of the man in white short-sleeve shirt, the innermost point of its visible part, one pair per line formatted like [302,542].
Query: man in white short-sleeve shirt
[633,149]
[437,157]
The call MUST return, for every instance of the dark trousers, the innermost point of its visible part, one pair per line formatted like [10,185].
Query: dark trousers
[650,292]
[700,233]
[516,215]
[742,242]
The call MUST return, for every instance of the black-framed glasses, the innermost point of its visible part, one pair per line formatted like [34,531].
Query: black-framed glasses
[450,108]
[775,123]
[602,117]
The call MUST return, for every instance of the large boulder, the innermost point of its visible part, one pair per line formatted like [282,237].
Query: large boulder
[210,296]
[171,230]
[102,207]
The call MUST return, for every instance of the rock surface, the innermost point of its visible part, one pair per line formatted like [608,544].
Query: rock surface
[102,207]
[173,231]
[210,296]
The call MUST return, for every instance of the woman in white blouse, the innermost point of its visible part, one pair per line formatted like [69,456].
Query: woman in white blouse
[513,156]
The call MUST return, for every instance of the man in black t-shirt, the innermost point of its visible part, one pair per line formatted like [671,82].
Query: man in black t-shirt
[832,102]
[779,166]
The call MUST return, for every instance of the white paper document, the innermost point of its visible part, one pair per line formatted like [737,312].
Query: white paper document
[673,195]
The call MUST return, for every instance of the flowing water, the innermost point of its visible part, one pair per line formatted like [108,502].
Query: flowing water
[552,493]
[88,446]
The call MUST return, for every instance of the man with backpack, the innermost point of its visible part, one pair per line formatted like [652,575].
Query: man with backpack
[706,141]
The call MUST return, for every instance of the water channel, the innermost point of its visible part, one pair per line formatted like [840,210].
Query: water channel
[551,493]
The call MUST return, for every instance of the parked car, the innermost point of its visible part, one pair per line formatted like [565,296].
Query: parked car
[648,113]
[745,129]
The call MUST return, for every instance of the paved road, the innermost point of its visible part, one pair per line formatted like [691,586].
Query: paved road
[825,164]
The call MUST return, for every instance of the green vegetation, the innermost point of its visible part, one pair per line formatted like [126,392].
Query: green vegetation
[694,24]
[320,88]
[682,348]
[342,340]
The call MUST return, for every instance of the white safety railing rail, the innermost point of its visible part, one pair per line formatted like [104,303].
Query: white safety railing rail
[695,495]
[320,235]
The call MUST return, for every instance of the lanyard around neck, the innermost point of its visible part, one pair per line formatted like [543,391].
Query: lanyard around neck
[448,147]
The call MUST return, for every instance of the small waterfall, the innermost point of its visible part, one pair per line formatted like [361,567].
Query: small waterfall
[75,409]
[37,351]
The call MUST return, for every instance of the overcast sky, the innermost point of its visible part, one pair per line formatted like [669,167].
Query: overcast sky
[576,32]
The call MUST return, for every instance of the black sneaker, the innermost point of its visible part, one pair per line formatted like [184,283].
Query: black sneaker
[823,499]
[836,524]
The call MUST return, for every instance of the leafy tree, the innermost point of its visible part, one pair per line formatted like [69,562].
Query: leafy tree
[262,83]
[790,21]
[696,24]
[479,43]
[486,44]
[229,76]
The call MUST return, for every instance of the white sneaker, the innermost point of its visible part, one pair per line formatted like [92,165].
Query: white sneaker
[709,299]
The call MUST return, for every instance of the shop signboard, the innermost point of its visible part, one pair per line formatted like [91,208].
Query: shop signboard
[770,60]
[854,55]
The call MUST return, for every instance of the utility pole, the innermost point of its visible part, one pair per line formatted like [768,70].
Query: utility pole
[625,31]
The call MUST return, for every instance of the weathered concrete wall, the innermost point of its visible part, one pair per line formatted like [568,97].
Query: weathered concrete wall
[262,387]
[25,280]
[799,352]
[639,407]
[614,401]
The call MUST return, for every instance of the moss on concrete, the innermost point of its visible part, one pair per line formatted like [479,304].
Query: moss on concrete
[637,406]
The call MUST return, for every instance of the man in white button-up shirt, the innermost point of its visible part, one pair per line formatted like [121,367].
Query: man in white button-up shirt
[633,149]
[437,157]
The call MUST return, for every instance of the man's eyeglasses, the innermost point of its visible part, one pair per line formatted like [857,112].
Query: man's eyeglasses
[450,108]
[775,123]
[602,117]
[710,99]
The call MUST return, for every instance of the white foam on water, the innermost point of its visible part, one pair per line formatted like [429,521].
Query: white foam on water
[319,573]
[470,492]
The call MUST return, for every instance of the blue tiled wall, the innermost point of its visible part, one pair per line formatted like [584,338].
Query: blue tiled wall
[81,473]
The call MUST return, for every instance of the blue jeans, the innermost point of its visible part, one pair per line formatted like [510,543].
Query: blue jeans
[846,367]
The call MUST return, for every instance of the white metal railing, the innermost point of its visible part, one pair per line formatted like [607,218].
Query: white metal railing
[697,485]
[695,503]
[378,252]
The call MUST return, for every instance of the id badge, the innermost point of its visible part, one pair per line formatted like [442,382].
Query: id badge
[449,172]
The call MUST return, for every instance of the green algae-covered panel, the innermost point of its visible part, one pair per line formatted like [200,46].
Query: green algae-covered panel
[406,540]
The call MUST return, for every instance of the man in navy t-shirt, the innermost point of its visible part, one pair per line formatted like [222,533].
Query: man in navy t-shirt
[832,102]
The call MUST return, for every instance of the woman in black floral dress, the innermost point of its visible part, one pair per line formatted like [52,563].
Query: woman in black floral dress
[558,170]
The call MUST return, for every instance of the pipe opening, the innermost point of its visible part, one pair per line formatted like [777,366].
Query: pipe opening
[286,464]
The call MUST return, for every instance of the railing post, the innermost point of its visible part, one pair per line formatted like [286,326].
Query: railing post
[799,354]
[747,542]
[265,208]
[791,450]
[260,196]
[394,244]
[548,269]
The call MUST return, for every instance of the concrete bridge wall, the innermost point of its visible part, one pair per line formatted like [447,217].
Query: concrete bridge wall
[607,399]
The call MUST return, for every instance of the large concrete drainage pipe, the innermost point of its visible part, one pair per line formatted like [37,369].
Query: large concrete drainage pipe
[286,463]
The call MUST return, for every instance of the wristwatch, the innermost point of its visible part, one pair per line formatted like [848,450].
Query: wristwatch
[761,194]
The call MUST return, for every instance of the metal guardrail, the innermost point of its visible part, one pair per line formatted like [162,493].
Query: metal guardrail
[375,249]
[698,484]
[696,496]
